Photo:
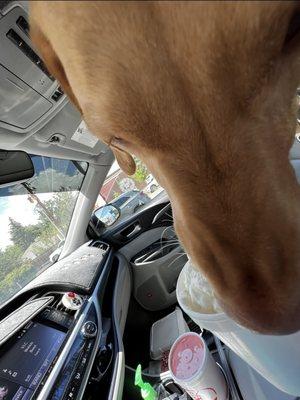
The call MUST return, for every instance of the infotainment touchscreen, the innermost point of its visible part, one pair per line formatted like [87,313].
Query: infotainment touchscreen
[24,364]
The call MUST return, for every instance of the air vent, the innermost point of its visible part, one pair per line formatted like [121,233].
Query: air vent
[57,304]
[100,245]
[62,308]
[57,313]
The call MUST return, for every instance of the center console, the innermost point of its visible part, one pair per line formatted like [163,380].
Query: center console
[59,344]
[70,378]
[27,359]
[51,356]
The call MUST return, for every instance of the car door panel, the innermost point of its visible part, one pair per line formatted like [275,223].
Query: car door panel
[149,243]
[117,234]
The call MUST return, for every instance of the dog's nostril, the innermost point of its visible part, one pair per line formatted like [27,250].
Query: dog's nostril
[294,27]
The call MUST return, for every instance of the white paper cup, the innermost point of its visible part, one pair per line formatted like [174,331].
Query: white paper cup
[276,358]
[194,369]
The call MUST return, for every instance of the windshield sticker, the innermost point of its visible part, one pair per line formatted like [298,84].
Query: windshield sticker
[83,136]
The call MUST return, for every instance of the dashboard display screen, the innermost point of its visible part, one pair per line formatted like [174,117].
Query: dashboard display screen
[24,364]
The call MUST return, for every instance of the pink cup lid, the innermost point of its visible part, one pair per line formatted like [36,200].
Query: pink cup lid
[187,356]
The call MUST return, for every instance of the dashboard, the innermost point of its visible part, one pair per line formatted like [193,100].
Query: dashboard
[62,344]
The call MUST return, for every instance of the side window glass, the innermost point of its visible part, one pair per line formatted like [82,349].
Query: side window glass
[127,193]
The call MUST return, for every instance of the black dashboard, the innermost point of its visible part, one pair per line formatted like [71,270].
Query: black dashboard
[61,344]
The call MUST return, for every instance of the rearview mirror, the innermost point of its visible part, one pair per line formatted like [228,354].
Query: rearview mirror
[107,214]
[15,166]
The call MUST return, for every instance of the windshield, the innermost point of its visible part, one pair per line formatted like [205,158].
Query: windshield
[34,220]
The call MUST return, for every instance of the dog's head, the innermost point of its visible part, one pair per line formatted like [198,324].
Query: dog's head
[203,93]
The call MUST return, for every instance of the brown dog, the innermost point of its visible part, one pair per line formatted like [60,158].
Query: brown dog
[203,93]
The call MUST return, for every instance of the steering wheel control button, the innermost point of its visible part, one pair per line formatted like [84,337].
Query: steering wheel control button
[72,301]
[89,329]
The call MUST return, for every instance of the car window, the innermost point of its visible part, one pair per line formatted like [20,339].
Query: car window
[34,220]
[119,202]
[128,193]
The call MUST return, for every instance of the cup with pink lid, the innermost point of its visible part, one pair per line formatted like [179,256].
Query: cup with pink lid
[194,369]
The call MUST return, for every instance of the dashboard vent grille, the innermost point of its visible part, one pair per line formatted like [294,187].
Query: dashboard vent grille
[60,307]
[57,304]
[100,245]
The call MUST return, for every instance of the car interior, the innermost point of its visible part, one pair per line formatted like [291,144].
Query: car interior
[84,300]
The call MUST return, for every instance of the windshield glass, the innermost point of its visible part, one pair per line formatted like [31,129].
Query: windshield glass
[34,220]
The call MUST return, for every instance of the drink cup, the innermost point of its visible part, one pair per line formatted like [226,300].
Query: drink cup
[194,369]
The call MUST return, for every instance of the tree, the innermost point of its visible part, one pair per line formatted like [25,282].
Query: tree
[10,259]
[22,235]
[141,171]
[115,195]
[61,206]
[54,215]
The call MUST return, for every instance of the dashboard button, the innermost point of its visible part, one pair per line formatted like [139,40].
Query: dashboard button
[88,347]
[77,377]
[72,392]
[89,329]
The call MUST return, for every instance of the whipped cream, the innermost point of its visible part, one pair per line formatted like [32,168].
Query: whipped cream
[195,291]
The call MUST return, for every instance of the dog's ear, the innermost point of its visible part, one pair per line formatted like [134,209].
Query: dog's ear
[52,61]
[125,160]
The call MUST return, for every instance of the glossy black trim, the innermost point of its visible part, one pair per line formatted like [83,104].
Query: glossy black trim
[114,235]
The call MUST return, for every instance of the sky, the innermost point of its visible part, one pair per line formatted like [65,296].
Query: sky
[113,168]
[18,208]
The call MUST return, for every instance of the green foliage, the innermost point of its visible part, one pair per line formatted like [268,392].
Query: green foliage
[9,259]
[115,195]
[55,217]
[23,235]
[141,172]
[39,239]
